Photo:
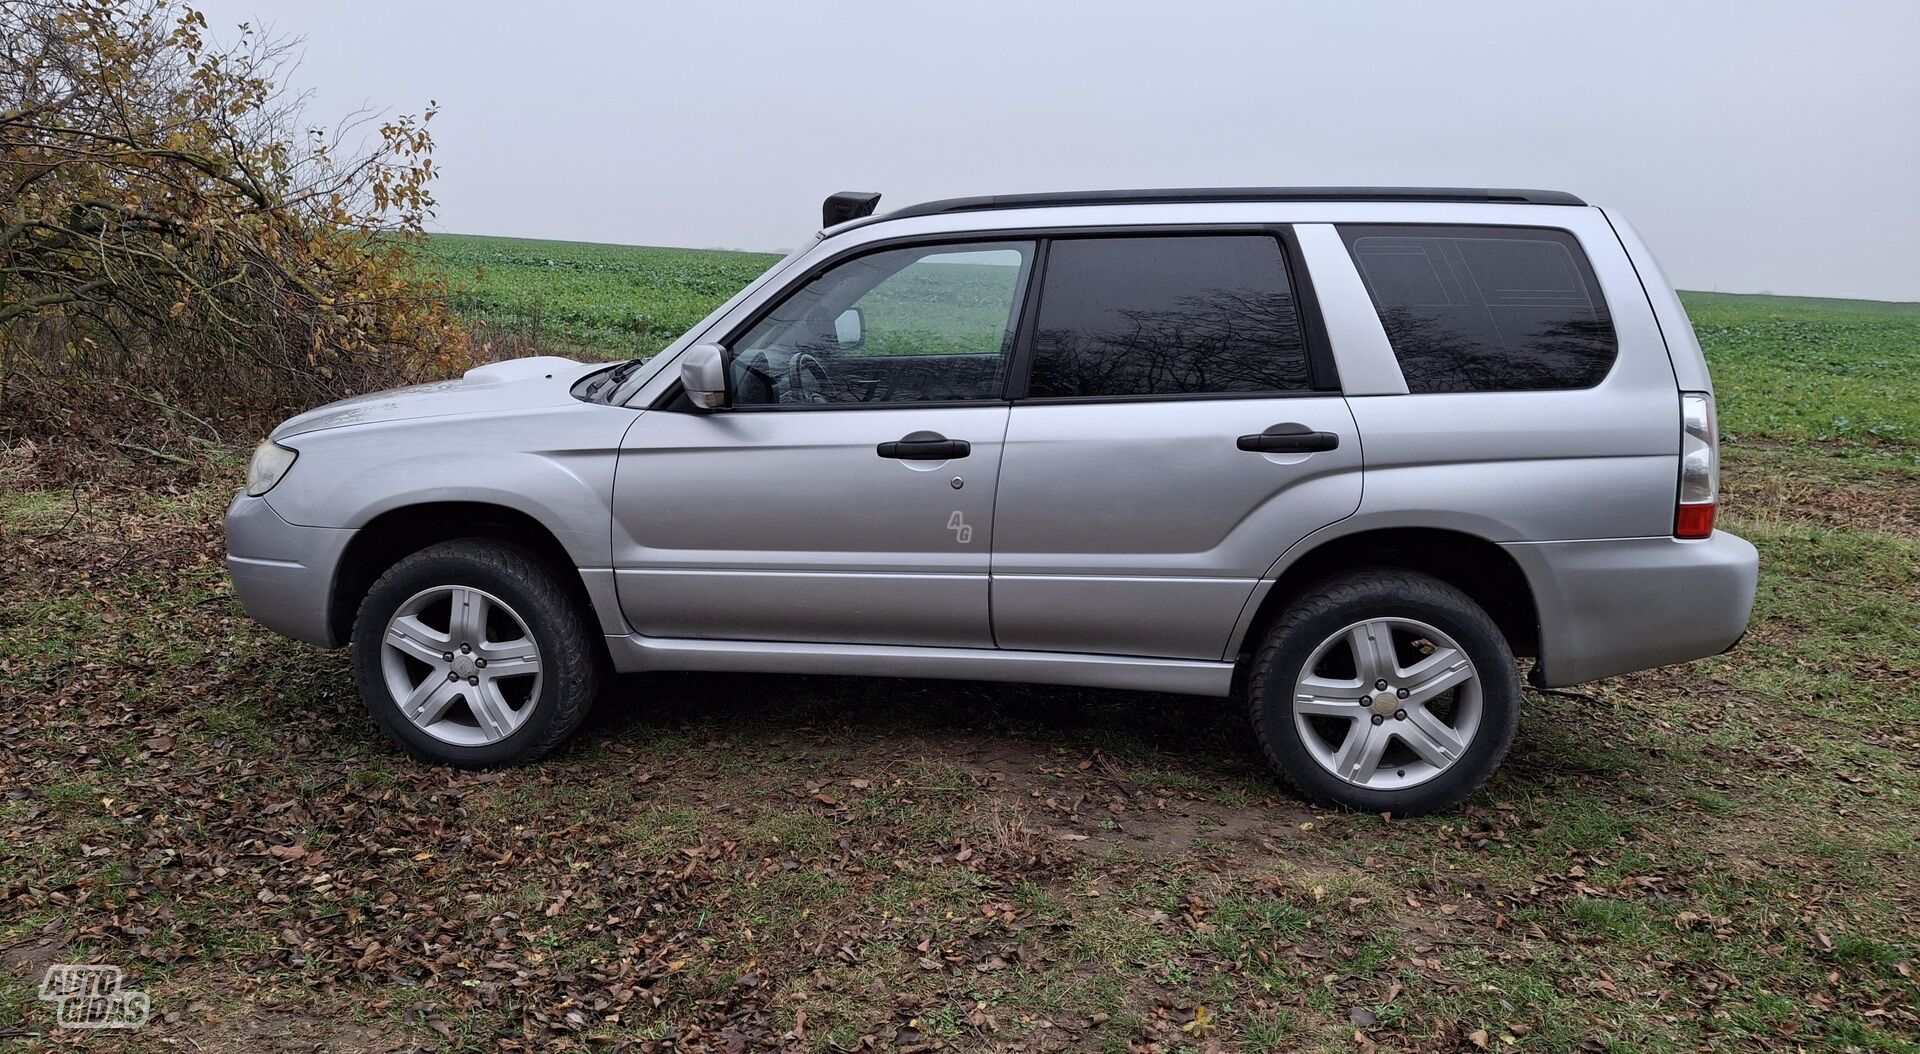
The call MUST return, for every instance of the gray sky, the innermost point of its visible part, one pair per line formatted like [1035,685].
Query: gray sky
[1757,145]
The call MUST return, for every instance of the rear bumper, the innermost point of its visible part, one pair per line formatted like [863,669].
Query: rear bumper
[1612,606]
[283,574]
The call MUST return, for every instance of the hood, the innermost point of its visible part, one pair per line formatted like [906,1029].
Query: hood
[516,384]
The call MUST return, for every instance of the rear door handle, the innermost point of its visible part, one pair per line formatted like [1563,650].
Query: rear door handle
[1289,438]
[925,446]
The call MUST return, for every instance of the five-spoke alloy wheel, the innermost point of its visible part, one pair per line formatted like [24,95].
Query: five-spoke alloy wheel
[1388,691]
[451,673]
[475,653]
[1418,703]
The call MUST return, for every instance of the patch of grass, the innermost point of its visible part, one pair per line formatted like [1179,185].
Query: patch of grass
[653,830]
[1614,920]
[34,510]
[20,1005]
[1270,1032]
[1252,927]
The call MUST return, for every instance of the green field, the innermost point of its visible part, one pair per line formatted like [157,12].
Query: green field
[616,301]
[1799,369]
[606,301]
[1716,857]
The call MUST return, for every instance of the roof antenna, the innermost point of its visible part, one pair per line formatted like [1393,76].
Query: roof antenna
[847,205]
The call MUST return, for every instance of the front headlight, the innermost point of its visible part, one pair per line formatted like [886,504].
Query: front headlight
[270,462]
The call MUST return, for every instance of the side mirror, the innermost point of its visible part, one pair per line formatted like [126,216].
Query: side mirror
[703,373]
[850,329]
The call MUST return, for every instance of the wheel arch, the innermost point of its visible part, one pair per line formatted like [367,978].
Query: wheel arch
[397,533]
[1468,562]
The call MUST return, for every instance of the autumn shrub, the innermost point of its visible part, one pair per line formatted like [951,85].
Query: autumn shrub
[177,241]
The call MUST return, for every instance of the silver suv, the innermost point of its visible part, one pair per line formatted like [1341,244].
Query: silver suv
[1345,453]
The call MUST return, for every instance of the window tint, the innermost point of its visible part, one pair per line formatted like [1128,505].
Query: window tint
[1486,309]
[1166,316]
[926,324]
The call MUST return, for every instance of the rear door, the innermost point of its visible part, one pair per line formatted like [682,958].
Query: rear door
[1180,427]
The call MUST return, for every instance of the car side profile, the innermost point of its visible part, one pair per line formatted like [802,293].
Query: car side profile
[1343,452]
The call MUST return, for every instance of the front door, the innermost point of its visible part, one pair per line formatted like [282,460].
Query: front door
[847,494]
[1175,438]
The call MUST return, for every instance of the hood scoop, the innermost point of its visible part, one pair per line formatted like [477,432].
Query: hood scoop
[518,369]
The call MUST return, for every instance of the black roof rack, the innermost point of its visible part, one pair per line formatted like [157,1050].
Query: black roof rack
[1160,197]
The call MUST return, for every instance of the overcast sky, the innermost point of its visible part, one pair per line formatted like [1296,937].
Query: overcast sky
[1757,145]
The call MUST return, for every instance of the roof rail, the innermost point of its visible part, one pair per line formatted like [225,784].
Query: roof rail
[1170,196]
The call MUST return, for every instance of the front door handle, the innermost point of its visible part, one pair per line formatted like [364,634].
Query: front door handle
[925,446]
[1289,438]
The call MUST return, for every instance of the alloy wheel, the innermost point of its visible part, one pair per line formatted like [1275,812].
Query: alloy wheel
[461,665]
[1387,704]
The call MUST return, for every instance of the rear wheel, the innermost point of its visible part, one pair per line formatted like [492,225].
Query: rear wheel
[1388,691]
[474,653]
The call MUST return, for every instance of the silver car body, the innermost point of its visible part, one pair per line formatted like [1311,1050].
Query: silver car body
[1121,544]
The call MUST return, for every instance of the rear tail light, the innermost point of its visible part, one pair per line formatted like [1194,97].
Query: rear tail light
[1699,466]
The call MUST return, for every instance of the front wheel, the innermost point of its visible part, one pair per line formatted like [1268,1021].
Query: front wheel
[474,653]
[1386,691]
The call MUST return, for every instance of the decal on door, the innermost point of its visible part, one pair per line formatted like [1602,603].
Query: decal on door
[962,531]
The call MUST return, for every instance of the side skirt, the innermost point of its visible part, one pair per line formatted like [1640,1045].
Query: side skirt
[636,654]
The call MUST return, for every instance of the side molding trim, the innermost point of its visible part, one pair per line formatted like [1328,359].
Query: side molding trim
[634,653]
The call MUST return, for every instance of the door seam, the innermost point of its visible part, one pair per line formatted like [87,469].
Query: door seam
[993,521]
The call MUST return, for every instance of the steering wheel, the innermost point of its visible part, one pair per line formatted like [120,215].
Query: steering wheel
[756,383]
[806,380]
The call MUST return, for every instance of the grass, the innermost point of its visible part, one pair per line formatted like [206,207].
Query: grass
[1713,857]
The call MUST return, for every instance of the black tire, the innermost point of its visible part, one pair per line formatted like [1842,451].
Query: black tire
[571,657]
[1322,611]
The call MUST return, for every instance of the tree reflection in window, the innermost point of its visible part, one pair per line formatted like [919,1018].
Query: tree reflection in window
[1166,316]
[1483,309]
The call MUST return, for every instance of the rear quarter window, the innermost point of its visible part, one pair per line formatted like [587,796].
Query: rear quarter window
[1486,309]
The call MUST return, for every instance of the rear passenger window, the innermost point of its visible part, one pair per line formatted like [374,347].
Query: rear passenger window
[1486,309]
[1147,316]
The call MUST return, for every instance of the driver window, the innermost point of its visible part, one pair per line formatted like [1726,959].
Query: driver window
[926,324]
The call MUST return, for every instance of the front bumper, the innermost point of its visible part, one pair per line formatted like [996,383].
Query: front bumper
[283,574]
[1612,606]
